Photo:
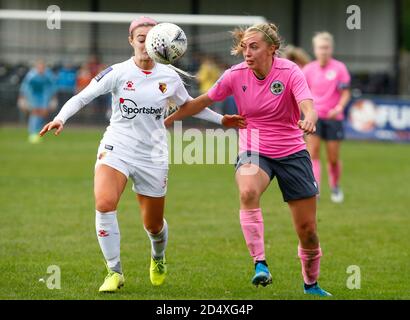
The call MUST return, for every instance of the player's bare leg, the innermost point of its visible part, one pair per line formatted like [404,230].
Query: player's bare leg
[152,212]
[252,182]
[108,187]
[309,251]
[313,147]
[334,166]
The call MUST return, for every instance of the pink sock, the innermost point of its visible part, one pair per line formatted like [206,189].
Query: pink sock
[334,174]
[310,260]
[316,170]
[252,228]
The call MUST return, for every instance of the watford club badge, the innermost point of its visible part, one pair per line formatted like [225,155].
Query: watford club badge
[163,87]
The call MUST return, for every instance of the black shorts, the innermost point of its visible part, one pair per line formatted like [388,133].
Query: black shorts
[330,129]
[294,173]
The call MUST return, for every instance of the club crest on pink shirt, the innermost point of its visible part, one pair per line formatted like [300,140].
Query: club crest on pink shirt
[331,74]
[277,87]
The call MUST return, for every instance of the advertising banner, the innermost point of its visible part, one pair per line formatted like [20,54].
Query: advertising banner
[378,119]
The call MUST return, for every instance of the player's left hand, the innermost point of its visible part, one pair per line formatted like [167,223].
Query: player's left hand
[333,113]
[307,126]
[234,121]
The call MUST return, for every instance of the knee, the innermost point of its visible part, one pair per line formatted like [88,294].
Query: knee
[307,233]
[333,158]
[333,161]
[154,228]
[105,205]
[248,195]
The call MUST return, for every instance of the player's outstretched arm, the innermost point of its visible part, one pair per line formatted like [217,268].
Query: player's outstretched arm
[227,120]
[55,124]
[308,124]
[101,84]
[189,108]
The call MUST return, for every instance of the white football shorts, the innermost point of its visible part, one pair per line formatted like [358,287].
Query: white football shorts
[147,180]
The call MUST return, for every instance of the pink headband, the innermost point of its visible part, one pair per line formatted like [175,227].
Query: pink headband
[141,21]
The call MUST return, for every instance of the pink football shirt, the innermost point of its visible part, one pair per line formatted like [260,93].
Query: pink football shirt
[270,106]
[326,84]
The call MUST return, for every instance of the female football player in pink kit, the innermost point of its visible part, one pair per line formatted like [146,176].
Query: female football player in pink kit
[270,92]
[134,146]
[329,82]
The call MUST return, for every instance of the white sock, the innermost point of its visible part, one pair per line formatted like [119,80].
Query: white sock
[159,241]
[108,235]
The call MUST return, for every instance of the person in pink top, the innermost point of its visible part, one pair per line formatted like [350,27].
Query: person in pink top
[270,92]
[329,82]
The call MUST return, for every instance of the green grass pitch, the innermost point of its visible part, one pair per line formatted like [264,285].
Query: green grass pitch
[47,218]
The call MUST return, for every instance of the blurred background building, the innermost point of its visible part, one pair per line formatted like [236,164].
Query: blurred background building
[377,55]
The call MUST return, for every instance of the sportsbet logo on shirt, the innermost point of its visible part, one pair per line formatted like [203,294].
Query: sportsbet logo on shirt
[129,109]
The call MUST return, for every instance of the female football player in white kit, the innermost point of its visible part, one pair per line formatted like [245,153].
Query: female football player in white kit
[134,145]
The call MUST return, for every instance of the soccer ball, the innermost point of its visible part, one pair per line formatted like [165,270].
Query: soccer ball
[166,43]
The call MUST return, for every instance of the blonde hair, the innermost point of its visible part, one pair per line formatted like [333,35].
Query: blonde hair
[324,35]
[297,55]
[269,31]
[181,72]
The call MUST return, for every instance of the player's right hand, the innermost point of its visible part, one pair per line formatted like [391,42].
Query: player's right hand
[55,124]
[234,121]
[307,126]
[168,121]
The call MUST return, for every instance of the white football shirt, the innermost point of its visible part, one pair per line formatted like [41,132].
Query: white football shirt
[139,98]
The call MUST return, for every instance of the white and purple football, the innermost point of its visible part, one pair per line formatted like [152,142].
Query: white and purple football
[166,43]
